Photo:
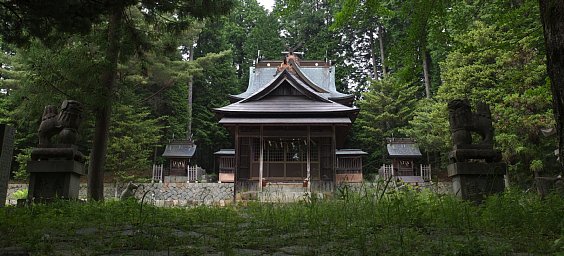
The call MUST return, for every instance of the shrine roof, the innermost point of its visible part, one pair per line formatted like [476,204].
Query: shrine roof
[350,151]
[180,149]
[403,150]
[224,151]
[290,92]
[286,105]
[321,76]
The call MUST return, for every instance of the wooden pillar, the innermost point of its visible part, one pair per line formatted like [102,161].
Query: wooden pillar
[334,155]
[261,155]
[236,170]
[308,147]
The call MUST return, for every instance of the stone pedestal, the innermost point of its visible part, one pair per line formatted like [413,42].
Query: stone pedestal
[54,177]
[474,181]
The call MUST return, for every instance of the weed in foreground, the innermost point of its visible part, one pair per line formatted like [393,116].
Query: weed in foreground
[365,221]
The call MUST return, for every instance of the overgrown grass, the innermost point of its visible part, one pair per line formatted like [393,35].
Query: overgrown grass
[368,222]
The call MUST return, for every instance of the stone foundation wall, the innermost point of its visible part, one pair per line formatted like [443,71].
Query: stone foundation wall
[183,194]
[161,194]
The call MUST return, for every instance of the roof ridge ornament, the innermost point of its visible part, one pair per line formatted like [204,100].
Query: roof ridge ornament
[290,61]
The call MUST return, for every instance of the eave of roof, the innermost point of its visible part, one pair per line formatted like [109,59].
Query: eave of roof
[286,121]
[286,105]
[351,151]
[225,151]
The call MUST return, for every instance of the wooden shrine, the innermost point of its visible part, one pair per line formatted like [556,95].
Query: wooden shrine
[405,157]
[179,154]
[289,126]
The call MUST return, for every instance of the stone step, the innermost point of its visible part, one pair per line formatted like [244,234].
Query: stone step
[282,197]
[284,189]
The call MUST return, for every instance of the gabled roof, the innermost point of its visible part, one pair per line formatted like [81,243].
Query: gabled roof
[403,150]
[288,94]
[180,149]
[302,99]
[287,78]
[318,75]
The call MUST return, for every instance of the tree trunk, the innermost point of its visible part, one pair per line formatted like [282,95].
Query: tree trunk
[103,112]
[373,55]
[382,55]
[190,85]
[552,17]
[426,73]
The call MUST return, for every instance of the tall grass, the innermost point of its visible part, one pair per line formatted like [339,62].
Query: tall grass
[369,220]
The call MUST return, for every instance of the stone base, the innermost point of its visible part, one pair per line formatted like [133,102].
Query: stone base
[463,154]
[50,179]
[475,181]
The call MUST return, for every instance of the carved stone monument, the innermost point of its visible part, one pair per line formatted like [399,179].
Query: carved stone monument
[6,150]
[476,168]
[55,168]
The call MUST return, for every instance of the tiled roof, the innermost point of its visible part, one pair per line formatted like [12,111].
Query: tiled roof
[285,92]
[180,149]
[403,149]
[322,76]
[285,105]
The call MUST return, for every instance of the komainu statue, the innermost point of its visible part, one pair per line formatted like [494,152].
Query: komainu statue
[464,122]
[64,123]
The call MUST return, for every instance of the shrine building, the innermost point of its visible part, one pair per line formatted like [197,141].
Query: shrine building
[289,127]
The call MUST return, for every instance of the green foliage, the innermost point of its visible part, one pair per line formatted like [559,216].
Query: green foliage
[368,220]
[20,194]
[132,140]
[430,127]
[384,108]
[536,165]
[22,158]
[211,88]
[488,66]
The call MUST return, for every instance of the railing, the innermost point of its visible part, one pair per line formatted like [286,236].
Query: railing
[425,171]
[349,164]
[227,163]
[157,173]
[194,173]
[387,171]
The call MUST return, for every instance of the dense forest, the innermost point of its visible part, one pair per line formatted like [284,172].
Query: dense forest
[403,60]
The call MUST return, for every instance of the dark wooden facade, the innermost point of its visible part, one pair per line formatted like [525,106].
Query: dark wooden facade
[405,158]
[289,123]
[179,154]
